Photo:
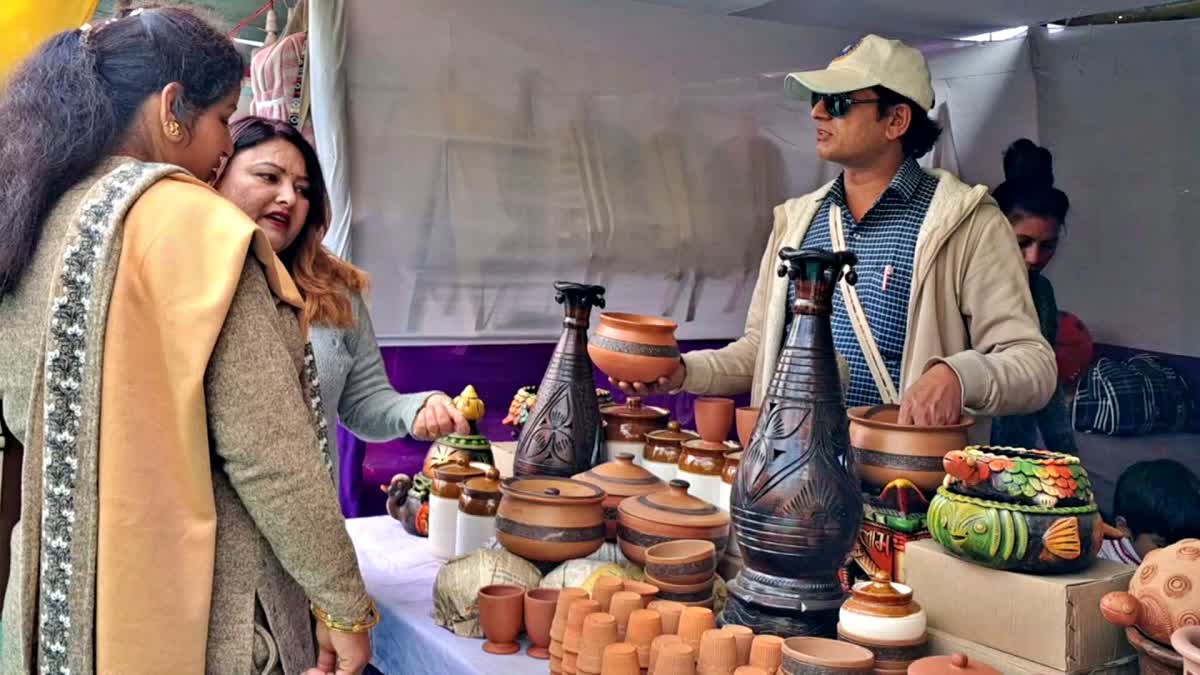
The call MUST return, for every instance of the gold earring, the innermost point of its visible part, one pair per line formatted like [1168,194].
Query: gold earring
[173,129]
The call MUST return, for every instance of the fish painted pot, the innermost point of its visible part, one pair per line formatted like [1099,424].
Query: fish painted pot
[1016,537]
[1047,479]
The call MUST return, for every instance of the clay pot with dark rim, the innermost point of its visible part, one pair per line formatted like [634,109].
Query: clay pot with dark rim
[685,593]
[501,609]
[666,516]
[882,616]
[701,464]
[953,664]
[550,519]
[684,561]
[820,656]
[540,605]
[885,450]
[660,454]
[619,479]
[633,347]
[626,426]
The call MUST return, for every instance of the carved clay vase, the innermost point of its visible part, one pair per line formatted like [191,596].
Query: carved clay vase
[563,436]
[796,504]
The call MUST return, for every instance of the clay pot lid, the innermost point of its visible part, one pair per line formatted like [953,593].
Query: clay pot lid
[674,506]
[457,473]
[633,408]
[711,447]
[622,478]
[672,435]
[482,487]
[887,416]
[881,597]
[551,490]
[954,664]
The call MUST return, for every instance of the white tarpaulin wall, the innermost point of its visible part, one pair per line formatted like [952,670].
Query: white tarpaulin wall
[497,147]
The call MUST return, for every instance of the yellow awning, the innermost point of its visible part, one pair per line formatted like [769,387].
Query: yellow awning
[25,24]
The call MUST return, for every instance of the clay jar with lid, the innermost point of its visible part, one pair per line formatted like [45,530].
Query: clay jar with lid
[700,464]
[550,519]
[666,516]
[954,664]
[728,474]
[883,617]
[660,454]
[443,504]
[619,479]
[477,506]
[626,426]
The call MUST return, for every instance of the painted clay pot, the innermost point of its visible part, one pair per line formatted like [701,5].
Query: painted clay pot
[626,426]
[550,519]
[1186,641]
[666,516]
[685,561]
[477,505]
[448,480]
[701,464]
[1164,594]
[885,450]
[540,604]
[714,418]
[472,446]
[820,656]
[501,612]
[882,616]
[953,664]
[1015,537]
[633,347]
[660,454]
[1018,475]
[619,479]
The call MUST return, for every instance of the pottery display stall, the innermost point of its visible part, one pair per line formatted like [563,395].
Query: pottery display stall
[477,506]
[633,347]
[702,461]
[952,664]
[1044,478]
[619,479]
[550,519]
[807,655]
[444,494]
[666,516]
[1163,597]
[796,505]
[563,435]
[882,616]
[660,453]
[626,426]
[885,450]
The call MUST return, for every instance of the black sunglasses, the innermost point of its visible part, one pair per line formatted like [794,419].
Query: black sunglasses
[838,105]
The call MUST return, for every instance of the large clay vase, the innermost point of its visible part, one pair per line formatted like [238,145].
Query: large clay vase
[563,436]
[796,505]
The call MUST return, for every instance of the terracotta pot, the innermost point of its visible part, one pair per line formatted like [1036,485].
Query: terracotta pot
[443,505]
[701,464]
[1031,477]
[718,653]
[954,664]
[624,604]
[644,625]
[660,454]
[714,418]
[648,592]
[692,624]
[666,516]
[550,519]
[563,605]
[626,426]
[620,659]
[599,631]
[658,644]
[1186,641]
[570,663]
[885,450]
[477,506]
[576,613]
[633,347]
[818,656]
[619,479]
[670,611]
[744,638]
[676,659]
[766,652]
[882,616]
[540,604]
[1159,602]
[682,562]
[684,593]
[501,608]
[605,588]
[746,419]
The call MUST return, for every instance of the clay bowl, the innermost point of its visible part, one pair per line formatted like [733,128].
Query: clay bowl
[550,519]
[633,347]
[682,562]
[501,612]
[684,592]
[818,656]
[1014,537]
[540,604]
[714,418]
[619,479]
[746,419]
[885,450]
[666,516]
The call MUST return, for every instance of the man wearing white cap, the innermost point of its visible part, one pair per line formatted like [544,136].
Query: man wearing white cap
[940,319]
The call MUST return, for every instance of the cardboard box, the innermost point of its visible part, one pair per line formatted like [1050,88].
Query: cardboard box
[1054,621]
[941,643]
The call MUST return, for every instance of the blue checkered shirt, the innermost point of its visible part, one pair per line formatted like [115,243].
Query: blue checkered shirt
[886,238]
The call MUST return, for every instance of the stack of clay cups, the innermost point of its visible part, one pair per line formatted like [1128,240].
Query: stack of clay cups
[599,631]
[558,628]
[578,611]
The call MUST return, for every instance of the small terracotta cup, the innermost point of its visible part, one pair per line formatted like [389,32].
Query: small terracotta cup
[751,670]
[676,659]
[599,631]
[649,592]
[744,637]
[556,652]
[570,663]
[555,664]
[682,562]
[692,624]
[604,589]
[501,609]
[813,654]
[714,417]
[718,653]
[657,646]
[670,612]
[644,626]
[623,604]
[540,604]
[620,658]
[747,419]
[766,652]
[578,611]
[565,596]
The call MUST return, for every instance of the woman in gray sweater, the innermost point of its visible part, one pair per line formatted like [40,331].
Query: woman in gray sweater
[274,176]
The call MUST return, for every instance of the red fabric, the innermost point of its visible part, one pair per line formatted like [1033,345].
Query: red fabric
[1075,349]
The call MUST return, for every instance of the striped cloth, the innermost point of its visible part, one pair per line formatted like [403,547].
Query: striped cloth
[884,242]
[1114,399]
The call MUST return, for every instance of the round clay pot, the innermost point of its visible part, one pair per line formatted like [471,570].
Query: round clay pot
[626,426]
[620,659]
[885,450]
[1153,658]
[619,479]
[718,653]
[1163,595]
[470,448]
[666,516]
[743,637]
[501,608]
[550,519]
[540,604]
[660,454]
[683,562]
[1033,477]
[882,616]
[766,652]
[746,419]
[566,596]
[670,611]
[813,656]
[633,347]
[714,418]
[701,464]
[954,664]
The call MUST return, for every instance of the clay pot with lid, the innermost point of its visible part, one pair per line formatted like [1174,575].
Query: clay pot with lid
[550,519]
[885,450]
[619,479]
[814,655]
[660,454]
[882,616]
[477,505]
[701,464]
[954,664]
[626,426]
[728,474]
[1163,597]
[443,505]
[634,347]
[666,516]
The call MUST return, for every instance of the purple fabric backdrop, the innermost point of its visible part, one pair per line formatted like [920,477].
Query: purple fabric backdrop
[496,371]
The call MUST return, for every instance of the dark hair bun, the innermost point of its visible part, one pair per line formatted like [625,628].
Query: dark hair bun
[1026,163]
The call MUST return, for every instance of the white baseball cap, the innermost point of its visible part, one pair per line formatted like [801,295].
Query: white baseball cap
[870,62]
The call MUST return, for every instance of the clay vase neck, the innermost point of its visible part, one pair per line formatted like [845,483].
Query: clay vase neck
[562,436]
